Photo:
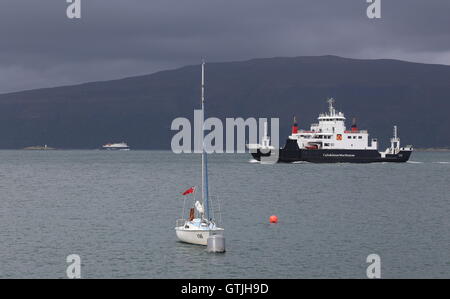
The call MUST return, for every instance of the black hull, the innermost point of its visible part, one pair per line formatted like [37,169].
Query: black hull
[292,153]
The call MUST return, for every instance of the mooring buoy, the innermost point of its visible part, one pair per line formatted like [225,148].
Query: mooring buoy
[215,243]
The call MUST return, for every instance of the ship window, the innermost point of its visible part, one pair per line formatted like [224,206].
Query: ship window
[360,137]
[349,137]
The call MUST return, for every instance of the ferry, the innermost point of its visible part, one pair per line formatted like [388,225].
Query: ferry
[329,141]
[116,146]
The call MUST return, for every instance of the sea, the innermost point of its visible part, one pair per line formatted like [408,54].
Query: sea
[117,212]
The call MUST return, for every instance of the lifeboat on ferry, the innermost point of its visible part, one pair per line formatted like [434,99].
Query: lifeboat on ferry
[312,147]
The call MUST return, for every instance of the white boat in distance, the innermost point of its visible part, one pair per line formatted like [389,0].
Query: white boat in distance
[116,146]
[201,223]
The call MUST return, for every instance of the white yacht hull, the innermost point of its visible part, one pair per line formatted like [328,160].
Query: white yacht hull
[196,236]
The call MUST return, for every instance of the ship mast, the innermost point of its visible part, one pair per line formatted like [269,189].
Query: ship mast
[330,106]
[204,159]
[395,142]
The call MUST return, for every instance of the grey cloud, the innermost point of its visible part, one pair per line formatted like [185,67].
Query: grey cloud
[40,47]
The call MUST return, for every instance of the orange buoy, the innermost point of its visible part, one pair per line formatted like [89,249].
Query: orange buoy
[273,219]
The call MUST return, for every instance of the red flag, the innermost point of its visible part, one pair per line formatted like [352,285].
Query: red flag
[189,191]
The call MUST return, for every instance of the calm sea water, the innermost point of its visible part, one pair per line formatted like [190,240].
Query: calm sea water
[117,210]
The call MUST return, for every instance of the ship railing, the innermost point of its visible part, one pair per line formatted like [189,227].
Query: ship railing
[306,131]
[358,131]
[215,209]
[180,222]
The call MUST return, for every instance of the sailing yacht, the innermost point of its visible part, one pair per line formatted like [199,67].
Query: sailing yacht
[200,224]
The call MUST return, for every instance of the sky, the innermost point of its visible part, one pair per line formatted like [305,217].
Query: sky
[41,47]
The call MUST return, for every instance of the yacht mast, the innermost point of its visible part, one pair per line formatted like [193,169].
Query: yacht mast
[204,159]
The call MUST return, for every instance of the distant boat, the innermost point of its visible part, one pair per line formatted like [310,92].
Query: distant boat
[39,148]
[121,146]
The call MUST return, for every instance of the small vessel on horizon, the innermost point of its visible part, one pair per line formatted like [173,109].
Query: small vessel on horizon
[329,141]
[116,146]
[39,148]
[201,223]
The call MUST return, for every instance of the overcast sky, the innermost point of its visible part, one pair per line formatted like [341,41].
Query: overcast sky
[41,47]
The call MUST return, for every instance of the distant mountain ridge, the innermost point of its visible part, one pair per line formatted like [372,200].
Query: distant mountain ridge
[139,110]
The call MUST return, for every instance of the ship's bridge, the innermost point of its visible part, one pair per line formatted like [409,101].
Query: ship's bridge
[330,133]
[331,122]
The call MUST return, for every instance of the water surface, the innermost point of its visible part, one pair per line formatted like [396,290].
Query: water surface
[117,210]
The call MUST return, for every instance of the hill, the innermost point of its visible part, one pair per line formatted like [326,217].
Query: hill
[139,110]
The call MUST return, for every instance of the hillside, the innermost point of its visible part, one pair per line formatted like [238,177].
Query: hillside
[139,110]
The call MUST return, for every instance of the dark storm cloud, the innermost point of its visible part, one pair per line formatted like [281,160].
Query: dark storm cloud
[40,47]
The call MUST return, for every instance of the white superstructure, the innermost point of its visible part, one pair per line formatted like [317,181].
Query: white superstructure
[329,141]
[116,146]
[265,142]
[330,133]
